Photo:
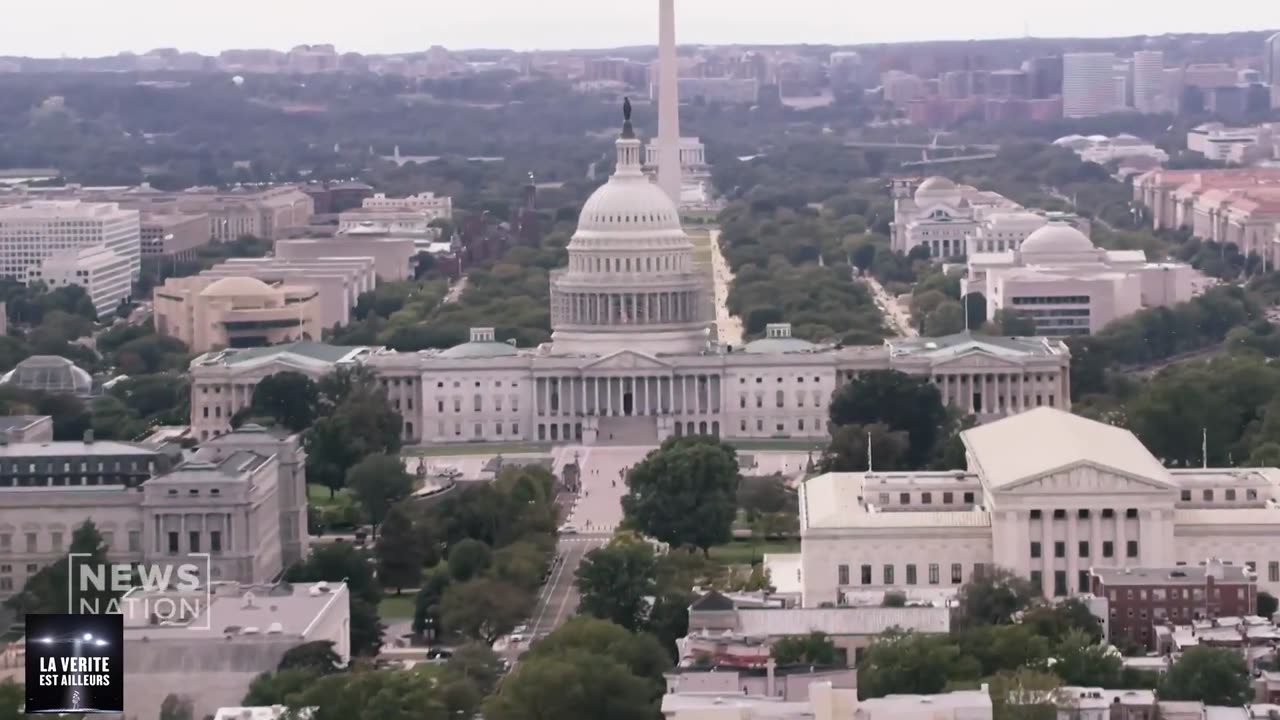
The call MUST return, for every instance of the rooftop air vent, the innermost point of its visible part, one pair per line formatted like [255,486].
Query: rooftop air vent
[275,628]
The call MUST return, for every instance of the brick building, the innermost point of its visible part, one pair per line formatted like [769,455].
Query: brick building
[1138,598]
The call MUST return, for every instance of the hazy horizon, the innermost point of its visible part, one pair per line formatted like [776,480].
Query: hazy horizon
[90,28]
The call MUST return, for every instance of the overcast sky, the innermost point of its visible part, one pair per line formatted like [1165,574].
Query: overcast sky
[50,28]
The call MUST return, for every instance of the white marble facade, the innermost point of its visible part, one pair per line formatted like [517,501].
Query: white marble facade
[1046,494]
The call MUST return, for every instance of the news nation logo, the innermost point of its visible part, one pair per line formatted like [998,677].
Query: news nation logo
[144,593]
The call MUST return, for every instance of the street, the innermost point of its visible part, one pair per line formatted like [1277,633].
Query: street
[899,320]
[728,327]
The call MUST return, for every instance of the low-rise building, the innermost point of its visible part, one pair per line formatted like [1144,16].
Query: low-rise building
[338,281]
[1048,495]
[208,312]
[240,498]
[174,236]
[1101,149]
[1242,146]
[1138,598]
[393,257]
[107,278]
[437,207]
[222,381]
[244,631]
[26,428]
[790,683]
[827,702]
[1066,286]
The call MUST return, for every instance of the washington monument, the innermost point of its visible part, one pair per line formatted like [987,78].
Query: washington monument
[668,103]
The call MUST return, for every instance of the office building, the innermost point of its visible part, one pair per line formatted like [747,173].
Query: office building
[1148,82]
[1089,86]
[1046,77]
[393,256]
[1046,494]
[1136,599]
[207,312]
[105,276]
[174,236]
[32,232]
[1242,146]
[436,207]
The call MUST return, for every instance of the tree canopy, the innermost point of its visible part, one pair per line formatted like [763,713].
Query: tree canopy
[684,493]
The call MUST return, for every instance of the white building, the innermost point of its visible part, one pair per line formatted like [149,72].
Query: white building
[1046,494]
[1241,146]
[34,231]
[1148,82]
[435,206]
[827,703]
[105,276]
[1005,230]
[1101,149]
[1271,67]
[1089,85]
[940,214]
[1069,287]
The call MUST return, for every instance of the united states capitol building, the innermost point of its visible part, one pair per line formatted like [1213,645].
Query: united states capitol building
[633,356]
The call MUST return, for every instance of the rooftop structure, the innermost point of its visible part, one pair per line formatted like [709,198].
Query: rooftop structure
[26,428]
[1047,494]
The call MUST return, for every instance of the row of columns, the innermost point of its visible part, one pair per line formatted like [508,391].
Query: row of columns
[208,522]
[606,396]
[1001,392]
[629,308]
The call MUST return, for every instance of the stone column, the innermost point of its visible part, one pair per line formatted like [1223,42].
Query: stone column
[1121,544]
[1022,391]
[1095,544]
[1046,551]
[1073,552]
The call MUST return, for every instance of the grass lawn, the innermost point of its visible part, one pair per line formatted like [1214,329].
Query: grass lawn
[396,607]
[318,495]
[744,552]
[475,449]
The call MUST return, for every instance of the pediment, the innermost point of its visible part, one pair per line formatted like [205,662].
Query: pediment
[1086,477]
[628,360]
[977,357]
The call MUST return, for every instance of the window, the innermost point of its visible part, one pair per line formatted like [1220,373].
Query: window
[6,542]
[173,543]
[57,542]
[911,574]
[1208,496]
[1273,571]
[884,499]
[1059,514]
[32,545]
[194,538]
[904,498]
[957,574]
[968,498]
[888,574]
[1084,548]
[1186,496]
[1108,513]
[1132,513]
[1059,549]
[215,541]
[926,498]
[1108,549]
[948,498]
[1082,514]
[842,575]
[1059,583]
[866,574]
[135,541]
[1231,496]
[1037,581]
[1035,514]
[934,574]
[1082,584]
[1131,549]
[1035,549]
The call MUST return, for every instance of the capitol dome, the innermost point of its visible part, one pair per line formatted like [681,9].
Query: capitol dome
[631,282]
[1056,238]
[937,189]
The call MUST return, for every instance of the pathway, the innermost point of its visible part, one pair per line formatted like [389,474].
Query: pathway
[728,326]
[455,292]
[898,319]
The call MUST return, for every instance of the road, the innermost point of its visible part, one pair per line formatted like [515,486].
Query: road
[898,319]
[728,327]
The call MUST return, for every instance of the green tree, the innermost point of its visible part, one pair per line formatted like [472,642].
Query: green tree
[355,421]
[639,652]
[276,688]
[343,562]
[1267,604]
[574,684]
[901,662]
[484,609]
[378,695]
[398,553]
[1003,647]
[1082,662]
[469,559]
[379,482]
[477,663]
[1026,694]
[426,606]
[616,581]
[816,648]
[1055,621]
[899,401]
[684,493]
[290,398]
[316,657]
[993,598]
[1012,323]
[847,451]
[946,319]
[975,308]
[177,707]
[1213,676]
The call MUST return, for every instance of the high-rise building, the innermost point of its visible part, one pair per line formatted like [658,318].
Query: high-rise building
[1148,82]
[1089,85]
[1271,61]
[1046,76]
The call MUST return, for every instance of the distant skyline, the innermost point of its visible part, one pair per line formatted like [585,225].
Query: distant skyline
[92,28]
